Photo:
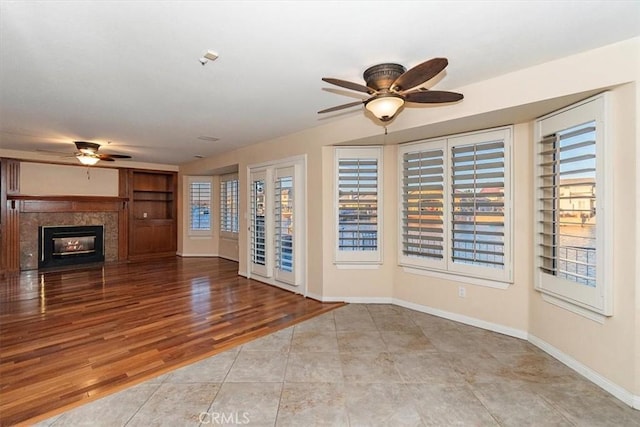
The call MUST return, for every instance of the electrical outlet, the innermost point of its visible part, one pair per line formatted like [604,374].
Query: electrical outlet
[462,291]
[144,215]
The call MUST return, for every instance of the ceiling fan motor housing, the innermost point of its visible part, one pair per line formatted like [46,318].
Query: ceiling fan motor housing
[382,76]
[87,147]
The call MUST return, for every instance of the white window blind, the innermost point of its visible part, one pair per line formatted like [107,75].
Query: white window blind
[455,205]
[258,222]
[229,204]
[573,197]
[568,204]
[358,204]
[283,207]
[200,205]
[477,204]
[423,203]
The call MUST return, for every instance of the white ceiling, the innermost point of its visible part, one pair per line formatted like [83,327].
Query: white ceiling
[128,72]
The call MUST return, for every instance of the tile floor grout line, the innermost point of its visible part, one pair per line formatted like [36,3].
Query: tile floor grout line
[143,403]
[284,376]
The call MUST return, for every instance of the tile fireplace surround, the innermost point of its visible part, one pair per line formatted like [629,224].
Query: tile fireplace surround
[29,223]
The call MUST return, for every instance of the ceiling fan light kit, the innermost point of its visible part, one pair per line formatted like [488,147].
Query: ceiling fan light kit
[391,86]
[385,106]
[87,153]
[87,159]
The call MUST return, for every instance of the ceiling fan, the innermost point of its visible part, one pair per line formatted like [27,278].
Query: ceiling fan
[391,86]
[87,153]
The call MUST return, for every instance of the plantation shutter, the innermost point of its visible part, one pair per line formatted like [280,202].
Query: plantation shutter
[200,204]
[568,204]
[423,203]
[229,205]
[357,204]
[478,203]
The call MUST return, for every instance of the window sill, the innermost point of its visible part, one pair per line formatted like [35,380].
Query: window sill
[489,283]
[200,236]
[356,266]
[228,236]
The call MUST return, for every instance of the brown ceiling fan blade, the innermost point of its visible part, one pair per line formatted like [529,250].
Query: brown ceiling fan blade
[54,152]
[114,156]
[348,85]
[341,107]
[432,96]
[106,158]
[420,74]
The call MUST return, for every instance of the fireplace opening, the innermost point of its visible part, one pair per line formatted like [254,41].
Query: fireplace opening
[70,245]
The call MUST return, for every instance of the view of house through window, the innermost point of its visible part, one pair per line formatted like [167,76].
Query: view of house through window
[200,205]
[454,215]
[284,223]
[229,204]
[568,196]
[358,200]
[477,204]
[573,259]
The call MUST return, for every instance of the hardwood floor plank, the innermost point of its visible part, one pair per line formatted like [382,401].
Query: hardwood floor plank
[74,335]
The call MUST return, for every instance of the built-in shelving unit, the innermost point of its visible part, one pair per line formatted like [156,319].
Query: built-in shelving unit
[152,213]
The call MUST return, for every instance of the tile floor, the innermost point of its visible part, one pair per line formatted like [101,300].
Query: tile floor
[365,365]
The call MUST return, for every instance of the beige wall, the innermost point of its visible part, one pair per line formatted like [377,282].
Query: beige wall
[637,240]
[286,147]
[610,350]
[504,307]
[353,283]
[39,179]
[197,244]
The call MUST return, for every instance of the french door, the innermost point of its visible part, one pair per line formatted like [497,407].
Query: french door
[276,234]
[284,225]
[259,231]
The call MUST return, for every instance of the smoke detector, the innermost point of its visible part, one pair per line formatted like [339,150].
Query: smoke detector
[208,56]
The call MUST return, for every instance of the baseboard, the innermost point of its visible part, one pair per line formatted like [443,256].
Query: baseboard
[619,392]
[198,255]
[472,321]
[352,300]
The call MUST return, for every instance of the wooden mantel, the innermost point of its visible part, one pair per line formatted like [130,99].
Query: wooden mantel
[25,203]
[17,204]
[14,205]
[68,198]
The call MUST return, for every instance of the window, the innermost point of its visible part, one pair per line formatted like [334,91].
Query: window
[229,204]
[358,202]
[455,209]
[199,205]
[571,187]
[284,198]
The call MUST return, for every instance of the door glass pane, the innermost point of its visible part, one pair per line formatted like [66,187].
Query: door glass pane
[284,223]
[258,231]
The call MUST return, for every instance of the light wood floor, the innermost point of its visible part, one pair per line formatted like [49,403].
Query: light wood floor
[71,336]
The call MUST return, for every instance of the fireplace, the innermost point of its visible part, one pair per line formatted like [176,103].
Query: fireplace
[70,245]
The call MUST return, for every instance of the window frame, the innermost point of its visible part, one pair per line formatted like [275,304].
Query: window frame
[226,233]
[576,297]
[201,180]
[358,258]
[446,267]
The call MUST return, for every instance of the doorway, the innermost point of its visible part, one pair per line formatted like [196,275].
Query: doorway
[277,224]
